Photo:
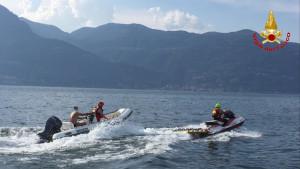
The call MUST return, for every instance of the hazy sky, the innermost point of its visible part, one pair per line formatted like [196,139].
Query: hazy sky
[191,15]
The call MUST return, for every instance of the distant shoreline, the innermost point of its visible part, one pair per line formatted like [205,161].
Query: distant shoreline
[156,90]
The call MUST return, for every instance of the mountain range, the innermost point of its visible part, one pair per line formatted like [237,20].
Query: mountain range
[134,56]
[29,59]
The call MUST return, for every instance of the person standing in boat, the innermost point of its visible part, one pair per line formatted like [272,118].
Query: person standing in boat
[74,116]
[99,111]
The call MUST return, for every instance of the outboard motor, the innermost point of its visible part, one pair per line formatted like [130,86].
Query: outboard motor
[53,125]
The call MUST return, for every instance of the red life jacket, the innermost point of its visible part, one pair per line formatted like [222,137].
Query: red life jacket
[98,115]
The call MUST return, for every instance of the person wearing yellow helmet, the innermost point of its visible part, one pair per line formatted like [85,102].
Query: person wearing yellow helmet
[218,114]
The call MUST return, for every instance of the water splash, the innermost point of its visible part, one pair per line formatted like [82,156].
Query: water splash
[121,141]
[227,136]
[18,131]
[17,137]
[23,140]
[105,131]
[142,141]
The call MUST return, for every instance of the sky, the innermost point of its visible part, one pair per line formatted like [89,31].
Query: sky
[198,16]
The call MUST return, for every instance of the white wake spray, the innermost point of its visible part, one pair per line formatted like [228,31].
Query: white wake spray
[121,141]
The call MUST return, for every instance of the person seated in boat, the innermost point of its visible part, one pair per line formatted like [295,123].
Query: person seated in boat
[218,114]
[99,111]
[75,115]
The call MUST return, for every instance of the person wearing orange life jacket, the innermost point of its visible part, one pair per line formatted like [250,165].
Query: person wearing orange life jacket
[99,111]
[218,114]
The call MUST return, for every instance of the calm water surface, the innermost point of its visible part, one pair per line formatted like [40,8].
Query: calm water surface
[269,139]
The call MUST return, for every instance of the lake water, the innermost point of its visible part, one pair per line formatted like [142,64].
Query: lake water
[269,139]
